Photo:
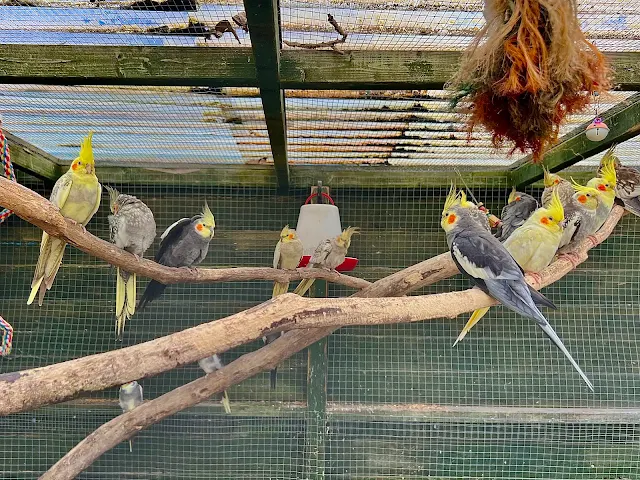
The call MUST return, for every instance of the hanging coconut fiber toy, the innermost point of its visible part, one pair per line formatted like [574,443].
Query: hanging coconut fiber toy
[526,70]
[7,170]
[6,337]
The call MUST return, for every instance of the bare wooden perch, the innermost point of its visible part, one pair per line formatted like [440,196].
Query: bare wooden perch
[330,44]
[37,210]
[127,425]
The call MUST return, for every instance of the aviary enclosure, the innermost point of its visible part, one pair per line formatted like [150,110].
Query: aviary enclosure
[247,107]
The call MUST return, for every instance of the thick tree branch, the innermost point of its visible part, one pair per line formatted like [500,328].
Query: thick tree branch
[127,425]
[37,210]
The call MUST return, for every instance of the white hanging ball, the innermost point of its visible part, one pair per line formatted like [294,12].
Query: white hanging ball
[597,130]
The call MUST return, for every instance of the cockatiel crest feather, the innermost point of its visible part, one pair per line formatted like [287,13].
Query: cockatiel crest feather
[512,196]
[86,150]
[113,197]
[347,233]
[582,188]
[608,171]
[555,208]
[287,234]
[207,216]
[550,179]
[610,157]
[464,203]
[453,197]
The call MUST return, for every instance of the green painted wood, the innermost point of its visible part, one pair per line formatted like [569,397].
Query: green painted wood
[224,66]
[31,159]
[263,17]
[623,121]
[126,65]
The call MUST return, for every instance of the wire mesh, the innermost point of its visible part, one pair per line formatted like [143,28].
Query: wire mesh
[402,403]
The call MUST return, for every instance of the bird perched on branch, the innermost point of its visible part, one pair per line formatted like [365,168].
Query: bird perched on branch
[627,181]
[130,397]
[555,183]
[210,365]
[606,184]
[133,229]
[77,196]
[533,247]
[287,256]
[580,213]
[518,209]
[328,255]
[185,243]
[483,259]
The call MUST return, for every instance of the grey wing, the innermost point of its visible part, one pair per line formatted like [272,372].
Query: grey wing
[61,186]
[482,256]
[276,255]
[321,253]
[113,228]
[516,296]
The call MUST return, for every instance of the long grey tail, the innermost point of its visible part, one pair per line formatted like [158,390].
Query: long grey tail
[273,373]
[548,329]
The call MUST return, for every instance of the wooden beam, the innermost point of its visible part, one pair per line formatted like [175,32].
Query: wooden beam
[225,66]
[623,121]
[119,65]
[301,176]
[32,160]
[263,18]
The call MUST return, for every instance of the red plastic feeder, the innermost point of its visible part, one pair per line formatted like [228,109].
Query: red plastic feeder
[348,265]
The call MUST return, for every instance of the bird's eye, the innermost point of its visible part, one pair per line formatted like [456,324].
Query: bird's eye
[550,218]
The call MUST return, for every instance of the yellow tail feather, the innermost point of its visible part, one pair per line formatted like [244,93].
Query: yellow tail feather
[225,402]
[279,288]
[475,318]
[304,286]
[125,301]
[49,261]
[34,290]
[131,295]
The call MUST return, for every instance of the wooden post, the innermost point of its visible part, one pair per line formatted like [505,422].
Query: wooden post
[317,368]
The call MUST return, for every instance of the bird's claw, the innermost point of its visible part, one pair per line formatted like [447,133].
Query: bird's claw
[138,258]
[84,229]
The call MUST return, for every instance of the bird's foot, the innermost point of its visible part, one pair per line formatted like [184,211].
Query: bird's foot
[536,277]
[572,257]
[594,240]
[84,229]
[138,257]
[192,269]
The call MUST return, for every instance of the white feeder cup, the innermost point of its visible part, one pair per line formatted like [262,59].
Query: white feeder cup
[318,222]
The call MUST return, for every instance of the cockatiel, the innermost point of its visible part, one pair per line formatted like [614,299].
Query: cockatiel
[627,181]
[210,365]
[518,209]
[606,184]
[555,183]
[132,228]
[77,195]
[130,397]
[183,244]
[474,211]
[329,255]
[483,259]
[532,246]
[287,256]
[580,215]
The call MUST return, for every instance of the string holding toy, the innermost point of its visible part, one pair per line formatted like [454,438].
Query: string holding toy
[7,168]
[6,338]
[597,130]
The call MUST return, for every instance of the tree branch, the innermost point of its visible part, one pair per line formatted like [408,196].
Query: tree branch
[37,210]
[330,44]
[127,425]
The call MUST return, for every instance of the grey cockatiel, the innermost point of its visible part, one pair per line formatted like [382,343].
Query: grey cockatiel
[483,259]
[132,228]
[555,183]
[183,244]
[580,215]
[130,397]
[287,256]
[329,255]
[627,186]
[210,365]
[518,209]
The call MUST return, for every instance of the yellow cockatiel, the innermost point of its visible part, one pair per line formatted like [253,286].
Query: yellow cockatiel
[77,194]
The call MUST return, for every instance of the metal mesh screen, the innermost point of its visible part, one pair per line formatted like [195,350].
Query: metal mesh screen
[401,402]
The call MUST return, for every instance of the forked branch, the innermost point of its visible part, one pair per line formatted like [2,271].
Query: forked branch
[127,425]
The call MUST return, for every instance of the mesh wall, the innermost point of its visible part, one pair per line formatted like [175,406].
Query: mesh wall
[401,402]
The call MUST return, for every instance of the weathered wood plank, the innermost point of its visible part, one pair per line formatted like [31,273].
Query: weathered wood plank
[31,159]
[226,66]
[623,121]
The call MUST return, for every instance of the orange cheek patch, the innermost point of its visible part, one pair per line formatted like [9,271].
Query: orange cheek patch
[74,166]
[451,219]
[582,199]
[199,227]
[602,188]
[544,220]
